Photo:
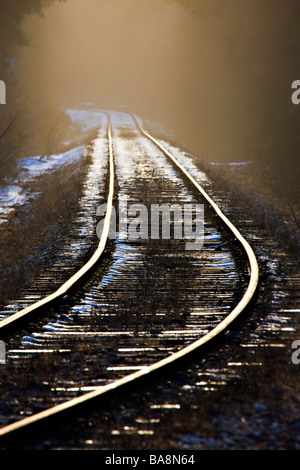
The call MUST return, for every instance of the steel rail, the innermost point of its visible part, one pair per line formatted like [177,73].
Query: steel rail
[64,288]
[243,303]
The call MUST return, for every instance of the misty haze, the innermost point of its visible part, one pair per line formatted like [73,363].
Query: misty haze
[217,76]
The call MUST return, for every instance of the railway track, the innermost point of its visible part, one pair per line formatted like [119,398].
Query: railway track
[146,306]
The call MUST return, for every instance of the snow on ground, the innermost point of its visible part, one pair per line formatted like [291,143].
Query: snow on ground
[16,191]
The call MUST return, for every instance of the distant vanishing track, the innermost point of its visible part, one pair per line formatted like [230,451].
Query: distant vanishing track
[240,307]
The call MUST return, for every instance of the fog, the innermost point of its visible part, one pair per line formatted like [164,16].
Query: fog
[217,75]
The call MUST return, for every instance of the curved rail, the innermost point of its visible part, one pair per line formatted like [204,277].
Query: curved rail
[248,295]
[91,262]
[254,272]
